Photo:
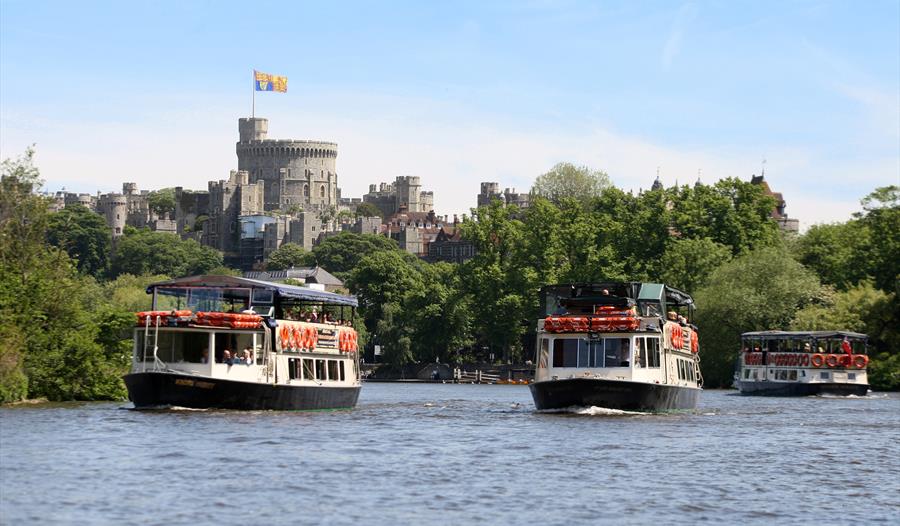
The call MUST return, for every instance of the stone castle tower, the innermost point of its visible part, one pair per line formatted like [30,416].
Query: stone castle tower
[114,208]
[295,172]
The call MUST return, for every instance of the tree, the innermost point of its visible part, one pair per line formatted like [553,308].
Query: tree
[162,201]
[368,210]
[287,256]
[565,180]
[51,343]
[882,217]
[146,252]
[760,290]
[835,252]
[687,263]
[340,254]
[84,235]
[382,278]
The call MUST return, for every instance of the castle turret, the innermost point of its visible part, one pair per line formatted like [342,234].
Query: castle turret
[253,129]
[115,209]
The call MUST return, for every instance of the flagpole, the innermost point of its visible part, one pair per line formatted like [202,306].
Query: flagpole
[253,90]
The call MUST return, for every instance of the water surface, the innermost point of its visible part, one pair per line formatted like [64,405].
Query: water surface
[450,454]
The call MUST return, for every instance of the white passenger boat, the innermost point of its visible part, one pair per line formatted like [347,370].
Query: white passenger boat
[795,363]
[236,343]
[627,346]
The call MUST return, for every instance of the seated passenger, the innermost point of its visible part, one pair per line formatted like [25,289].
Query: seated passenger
[226,357]
[204,355]
[247,358]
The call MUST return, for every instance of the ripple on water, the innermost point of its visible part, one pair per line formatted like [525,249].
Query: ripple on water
[454,454]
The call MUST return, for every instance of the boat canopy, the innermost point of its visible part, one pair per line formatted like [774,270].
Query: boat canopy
[796,335]
[618,293]
[281,291]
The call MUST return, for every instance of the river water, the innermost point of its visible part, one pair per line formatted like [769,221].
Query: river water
[452,454]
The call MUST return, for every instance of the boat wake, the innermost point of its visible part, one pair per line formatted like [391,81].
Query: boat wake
[594,411]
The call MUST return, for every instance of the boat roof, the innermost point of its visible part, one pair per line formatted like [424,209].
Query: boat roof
[282,290]
[638,290]
[779,335]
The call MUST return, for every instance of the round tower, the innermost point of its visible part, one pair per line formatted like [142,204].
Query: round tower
[295,172]
[115,209]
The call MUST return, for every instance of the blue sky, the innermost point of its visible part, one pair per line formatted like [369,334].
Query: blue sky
[463,92]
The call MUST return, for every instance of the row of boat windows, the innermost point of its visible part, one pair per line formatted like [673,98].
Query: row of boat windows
[194,347]
[604,352]
[316,369]
[686,370]
[790,374]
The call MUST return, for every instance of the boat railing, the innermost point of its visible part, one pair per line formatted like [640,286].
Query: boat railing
[157,363]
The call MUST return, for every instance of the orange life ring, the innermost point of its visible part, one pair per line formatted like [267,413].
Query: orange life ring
[817,360]
[353,340]
[695,342]
[860,361]
[831,360]
[296,338]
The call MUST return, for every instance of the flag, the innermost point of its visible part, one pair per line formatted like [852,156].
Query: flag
[267,82]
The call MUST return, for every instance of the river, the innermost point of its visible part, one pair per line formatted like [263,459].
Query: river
[453,454]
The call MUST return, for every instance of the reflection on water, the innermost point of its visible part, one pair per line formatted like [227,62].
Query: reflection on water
[439,454]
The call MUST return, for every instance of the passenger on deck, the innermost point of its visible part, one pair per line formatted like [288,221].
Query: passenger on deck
[204,355]
[807,347]
[247,358]
[314,317]
[226,357]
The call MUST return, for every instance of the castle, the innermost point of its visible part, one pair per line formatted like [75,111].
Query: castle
[405,195]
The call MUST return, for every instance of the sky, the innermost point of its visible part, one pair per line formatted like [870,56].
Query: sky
[463,92]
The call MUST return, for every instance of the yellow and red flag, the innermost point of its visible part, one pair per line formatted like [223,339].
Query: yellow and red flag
[268,82]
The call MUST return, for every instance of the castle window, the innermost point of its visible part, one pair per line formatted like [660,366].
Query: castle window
[117,216]
[306,190]
[322,191]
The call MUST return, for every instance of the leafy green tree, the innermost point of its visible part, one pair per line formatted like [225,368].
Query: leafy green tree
[384,277]
[162,201]
[340,254]
[882,217]
[760,290]
[730,212]
[84,235]
[565,180]
[288,255]
[128,293]
[146,252]
[368,210]
[46,304]
[687,263]
[438,314]
[837,252]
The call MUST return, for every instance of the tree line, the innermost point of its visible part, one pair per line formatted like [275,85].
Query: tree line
[68,303]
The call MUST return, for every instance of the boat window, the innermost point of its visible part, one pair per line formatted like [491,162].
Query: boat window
[341,369]
[176,347]
[294,368]
[584,354]
[653,352]
[851,376]
[333,370]
[320,370]
[616,352]
[640,352]
[746,374]
[824,375]
[236,343]
[680,369]
[792,375]
[308,370]
[690,370]
[545,353]
[565,352]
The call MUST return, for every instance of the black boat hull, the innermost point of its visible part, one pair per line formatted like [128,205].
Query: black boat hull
[801,389]
[612,394]
[155,389]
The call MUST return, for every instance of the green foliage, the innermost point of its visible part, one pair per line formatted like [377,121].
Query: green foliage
[368,210]
[838,252]
[53,316]
[882,217]
[146,252]
[162,201]
[341,253]
[687,263]
[84,235]
[288,255]
[128,293]
[567,181]
[760,290]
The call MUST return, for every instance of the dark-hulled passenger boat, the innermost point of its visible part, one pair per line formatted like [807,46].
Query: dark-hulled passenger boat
[798,363]
[627,346]
[234,343]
